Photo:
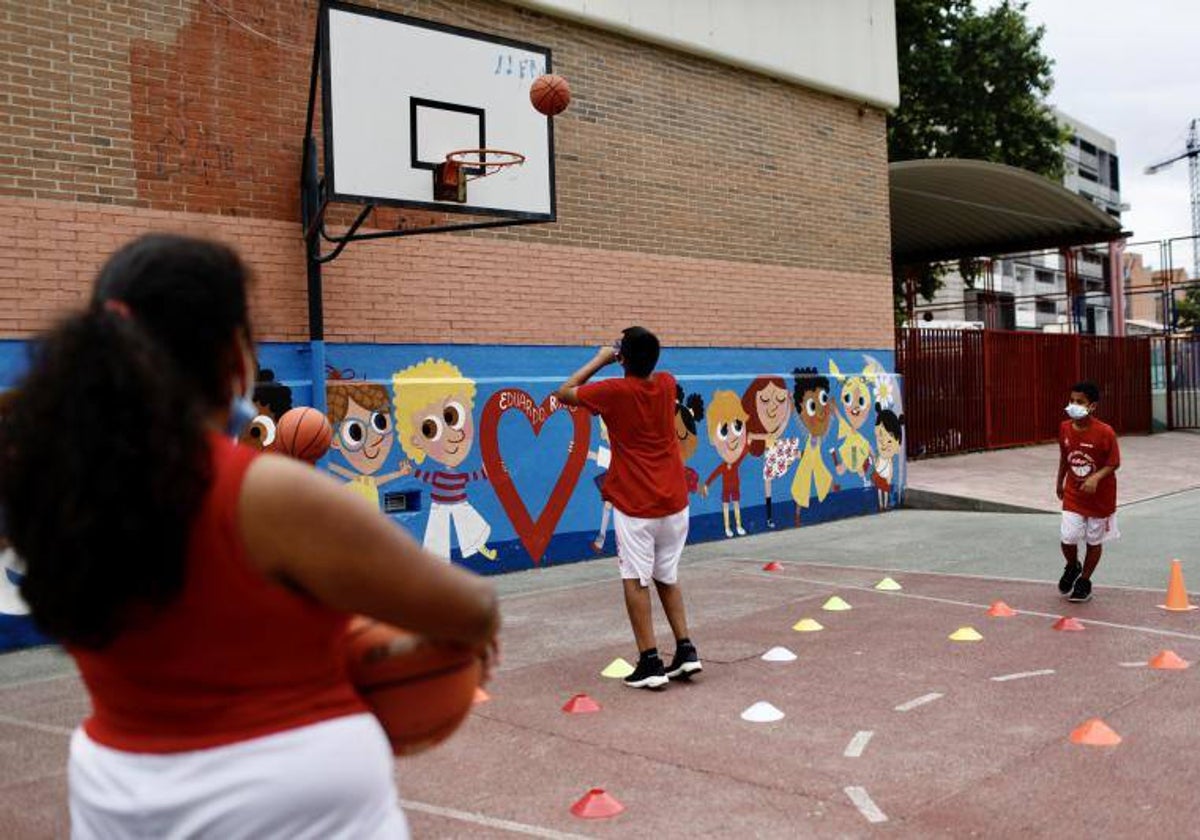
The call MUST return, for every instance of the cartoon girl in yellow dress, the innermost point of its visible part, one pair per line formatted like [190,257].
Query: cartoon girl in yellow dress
[815,412]
[854,454]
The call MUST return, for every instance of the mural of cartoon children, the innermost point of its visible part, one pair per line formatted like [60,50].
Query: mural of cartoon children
[728,434]
[603,458]
[768,408]
[888,433]
[815,412]
[854,454]
[687,413]
[362,425]
[272,399]
[433,420]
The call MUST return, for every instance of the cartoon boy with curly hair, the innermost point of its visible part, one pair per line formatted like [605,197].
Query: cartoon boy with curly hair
[362,423]
[433,420]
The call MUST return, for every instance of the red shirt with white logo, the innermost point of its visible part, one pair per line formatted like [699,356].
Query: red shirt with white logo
[1087,450]
[646,479]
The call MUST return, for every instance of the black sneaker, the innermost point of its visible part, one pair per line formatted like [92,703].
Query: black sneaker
[649,673]
[1070,574]
[685,663]
[1081,592]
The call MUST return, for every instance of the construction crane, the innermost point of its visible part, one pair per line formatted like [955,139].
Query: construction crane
[1192,153]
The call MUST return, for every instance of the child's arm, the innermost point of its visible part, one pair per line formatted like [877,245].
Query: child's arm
[1093,481]
[567,391]
[339,470]
[713,476]
[1062,472]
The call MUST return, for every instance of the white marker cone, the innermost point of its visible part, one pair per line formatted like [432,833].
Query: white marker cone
[762,712]
[779,654]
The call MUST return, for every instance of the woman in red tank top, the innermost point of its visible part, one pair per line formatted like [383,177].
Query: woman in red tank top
[201,587]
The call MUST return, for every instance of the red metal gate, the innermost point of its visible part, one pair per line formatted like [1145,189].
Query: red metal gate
[970,390]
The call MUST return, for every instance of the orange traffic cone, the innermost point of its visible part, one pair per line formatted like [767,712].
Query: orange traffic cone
[1168,660]
[1177,599]
[1068,623]
[1095,733]
[581,704]
[999,609]
[596,804]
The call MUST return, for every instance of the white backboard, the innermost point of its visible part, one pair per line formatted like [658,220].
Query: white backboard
[399,93]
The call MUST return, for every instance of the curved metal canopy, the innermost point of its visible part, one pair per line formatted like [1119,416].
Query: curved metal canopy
[944,209]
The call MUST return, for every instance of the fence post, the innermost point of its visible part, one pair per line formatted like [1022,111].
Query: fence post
[987,388]
[1168,365]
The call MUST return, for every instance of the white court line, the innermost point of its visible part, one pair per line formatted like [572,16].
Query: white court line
[1132,664]
[894,595]
[38,727]
[1023,674]
[865,804]
[490,822]
[918,701]
[858,743]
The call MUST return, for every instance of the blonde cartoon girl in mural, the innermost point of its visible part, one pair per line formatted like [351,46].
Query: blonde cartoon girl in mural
[854,454]
[433,419]
[815,412]
[602,455]
[727,433]
[362,426]
[888,434]
[768,408]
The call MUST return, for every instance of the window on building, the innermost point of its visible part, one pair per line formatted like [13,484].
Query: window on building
[1044,276]
[1047,307]
[1087,147]
[1114,178]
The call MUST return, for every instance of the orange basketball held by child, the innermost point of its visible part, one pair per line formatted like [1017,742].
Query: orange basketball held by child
[550,94]
[303,433]
[420,690]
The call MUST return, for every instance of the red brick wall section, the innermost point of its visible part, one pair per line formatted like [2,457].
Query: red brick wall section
[694,196]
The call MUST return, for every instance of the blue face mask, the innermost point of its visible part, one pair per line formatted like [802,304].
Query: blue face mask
[1076,411]
[242,410]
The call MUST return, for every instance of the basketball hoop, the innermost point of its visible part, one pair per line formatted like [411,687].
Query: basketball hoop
[450,178]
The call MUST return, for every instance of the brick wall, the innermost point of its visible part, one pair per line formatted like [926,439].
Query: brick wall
[722,206]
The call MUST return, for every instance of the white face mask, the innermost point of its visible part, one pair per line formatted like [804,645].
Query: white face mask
[242,409]
[1076,411]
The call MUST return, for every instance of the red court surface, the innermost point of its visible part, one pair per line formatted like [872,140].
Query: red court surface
[952,750]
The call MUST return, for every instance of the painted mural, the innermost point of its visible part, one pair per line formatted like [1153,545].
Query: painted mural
[496,475]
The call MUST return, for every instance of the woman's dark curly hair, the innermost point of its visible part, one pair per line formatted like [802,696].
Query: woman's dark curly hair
[691,410]
[104,459]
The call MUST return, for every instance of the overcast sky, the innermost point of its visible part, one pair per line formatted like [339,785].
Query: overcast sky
[1131,69]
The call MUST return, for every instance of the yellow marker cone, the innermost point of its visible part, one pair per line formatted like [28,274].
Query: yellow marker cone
[617,669]
[836,604]
[888,585]
[807,625]
[965,634]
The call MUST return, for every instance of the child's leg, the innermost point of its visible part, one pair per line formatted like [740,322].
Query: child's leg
[604,522]
[637,604]
[1070,552]
[1091,559]
[737,517]
[671,597]
[725,517]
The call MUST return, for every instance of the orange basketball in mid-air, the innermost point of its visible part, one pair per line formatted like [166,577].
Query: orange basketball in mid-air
[420,691]
[550,94]
[303,433]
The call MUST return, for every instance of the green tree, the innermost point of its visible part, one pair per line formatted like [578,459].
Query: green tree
[972,85]
[1187,310]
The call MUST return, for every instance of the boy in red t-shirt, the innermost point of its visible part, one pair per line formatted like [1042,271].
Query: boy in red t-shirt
[648,491]
[1087,485]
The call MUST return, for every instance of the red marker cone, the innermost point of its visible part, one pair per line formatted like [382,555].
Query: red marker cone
[1095,733]
[581,704]
[596,804]
[773,566]
[999,609]
[1168,660]
[1068,623]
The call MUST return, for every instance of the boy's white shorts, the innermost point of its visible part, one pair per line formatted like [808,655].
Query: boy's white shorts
[1077,528]
[650,548]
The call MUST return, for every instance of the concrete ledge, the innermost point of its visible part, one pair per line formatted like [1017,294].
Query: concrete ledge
[917,499]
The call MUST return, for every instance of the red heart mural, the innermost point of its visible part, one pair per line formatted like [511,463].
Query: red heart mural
[535,534]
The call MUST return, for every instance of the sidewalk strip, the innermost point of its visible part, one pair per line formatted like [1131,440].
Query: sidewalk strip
[858,743]
[865,804]
[1022,675]
[919,701]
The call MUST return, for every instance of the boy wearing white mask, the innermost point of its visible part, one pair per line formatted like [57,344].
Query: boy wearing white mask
[1087,485]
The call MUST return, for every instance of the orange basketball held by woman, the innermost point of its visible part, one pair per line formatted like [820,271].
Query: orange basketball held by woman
[420,690]
[550,94]
[303,433]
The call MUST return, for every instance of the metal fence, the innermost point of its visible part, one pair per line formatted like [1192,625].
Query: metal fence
[1181,380]
[987,389]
